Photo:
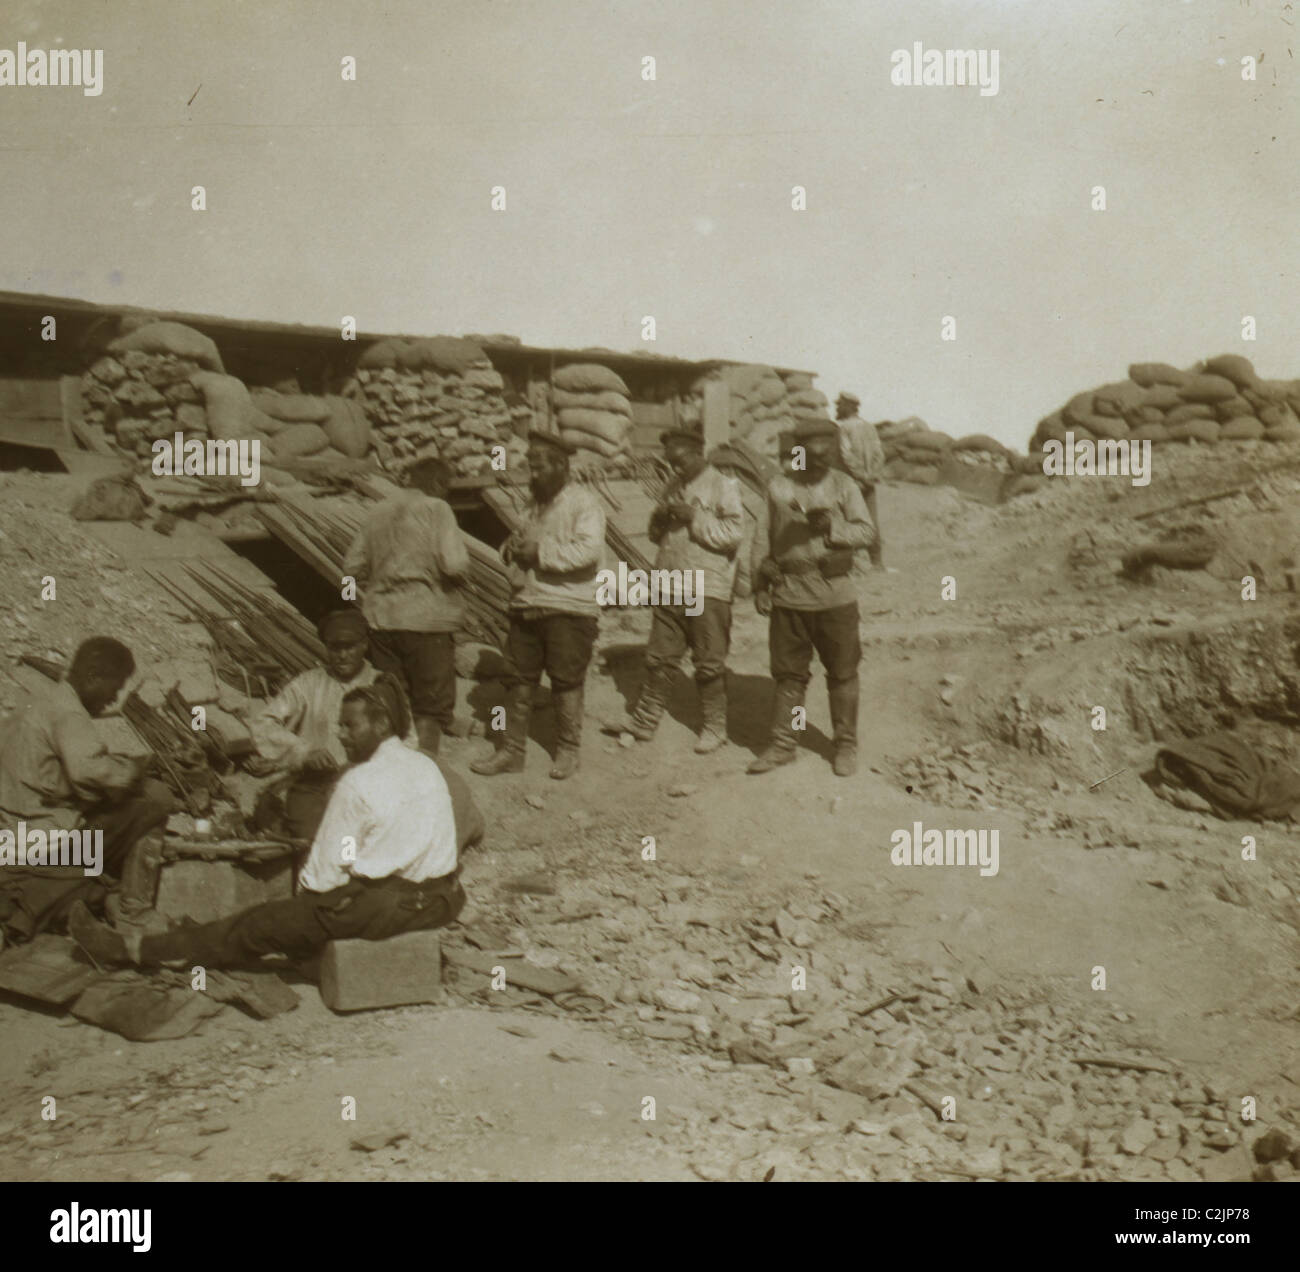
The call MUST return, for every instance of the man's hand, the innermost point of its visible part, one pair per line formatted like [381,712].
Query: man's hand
[769,574]
[524,547]
[258,765]
[320,761]
[763,602]
[819,521]
[679,512]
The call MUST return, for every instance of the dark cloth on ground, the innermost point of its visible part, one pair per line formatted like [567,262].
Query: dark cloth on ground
[1234,774]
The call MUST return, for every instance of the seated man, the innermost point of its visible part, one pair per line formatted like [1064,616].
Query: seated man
[384,860]
[56,773]
[295,730]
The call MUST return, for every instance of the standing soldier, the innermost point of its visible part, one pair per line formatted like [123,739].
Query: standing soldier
[804,546]
[863,458]
[409,559]
[698,525]
[554,555]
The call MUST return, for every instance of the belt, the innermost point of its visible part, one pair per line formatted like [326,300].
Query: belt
[443,883]
[799,565]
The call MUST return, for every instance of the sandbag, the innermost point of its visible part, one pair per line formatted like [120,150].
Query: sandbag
[926,458]
[298,440]
[292,408]
[1151,373]
[1245,428]
[1207,388]
[1277,415]
[1233,408]
[587,441]
[891,429]
[1078,408]
[933,441]
[1135,417]
[380,356]
[605,401]
[589,377]
[227,403]
[1031,463]
[606,425]
[1114,399]
[1181,432]
[1164,397]
[1203,430]
[981,442]
[765,437]
[1149,433]
[1190,411]
[772,392]
[919,474]
[1051,428]
[1234,367]
[170,337]
[1286,433]
[448,354]
[347,428]
[1105,426]
[808,398]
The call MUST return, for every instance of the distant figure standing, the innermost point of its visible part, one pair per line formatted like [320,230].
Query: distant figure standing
[409,560]
[554,555]
[863,458]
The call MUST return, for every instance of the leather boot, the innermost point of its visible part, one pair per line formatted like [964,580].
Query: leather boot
[643,719]
[133,903]
[509,756]
[844,726]
[568,731]
[781,740]
[713,709]
[429,732]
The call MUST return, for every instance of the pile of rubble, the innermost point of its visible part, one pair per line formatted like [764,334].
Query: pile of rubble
[870,1050]
[439,397]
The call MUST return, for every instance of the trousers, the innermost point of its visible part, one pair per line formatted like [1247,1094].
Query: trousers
[366,909]
[425,662]
[707,635]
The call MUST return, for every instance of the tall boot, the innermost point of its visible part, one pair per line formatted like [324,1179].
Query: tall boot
[643,719]
[568,731]
[844,726]
[713,709]
[509,756]
[781,740]
[429,732]
[133,904]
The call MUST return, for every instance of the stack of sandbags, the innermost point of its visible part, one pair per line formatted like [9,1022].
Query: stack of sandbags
[593,409]
[299,424]
[759,402]
[141,390]
[913,450]
[440,397]
[1219,400]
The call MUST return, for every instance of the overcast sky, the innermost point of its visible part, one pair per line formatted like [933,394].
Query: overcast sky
[672,198]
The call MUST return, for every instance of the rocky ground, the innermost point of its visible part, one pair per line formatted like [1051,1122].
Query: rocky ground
[795,1005]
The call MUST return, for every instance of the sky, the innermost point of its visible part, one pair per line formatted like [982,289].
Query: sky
[672,198]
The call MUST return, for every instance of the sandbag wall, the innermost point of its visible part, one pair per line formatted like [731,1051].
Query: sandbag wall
[437,397]
[1219,400]
[593,410]
[765,404]
[156,379]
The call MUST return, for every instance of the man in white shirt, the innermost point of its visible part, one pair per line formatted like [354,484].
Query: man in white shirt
[383,862]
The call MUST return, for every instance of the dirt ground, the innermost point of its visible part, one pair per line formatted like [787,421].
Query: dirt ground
[976,713]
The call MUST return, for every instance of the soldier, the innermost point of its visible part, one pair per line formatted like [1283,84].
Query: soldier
[698,525]
[863,458]
[554,555]
[813,521]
